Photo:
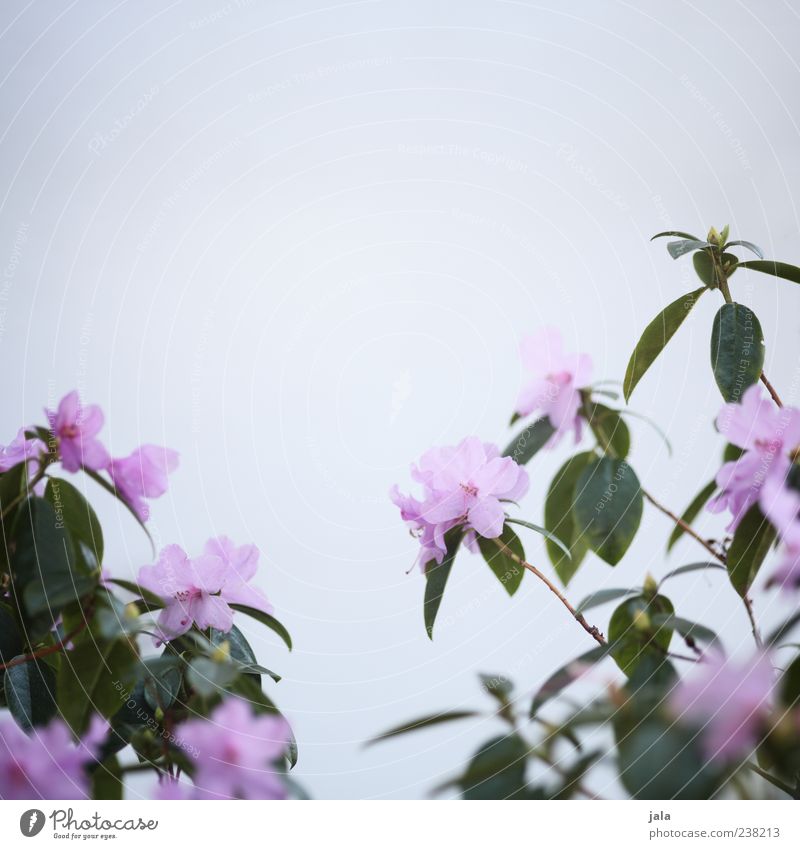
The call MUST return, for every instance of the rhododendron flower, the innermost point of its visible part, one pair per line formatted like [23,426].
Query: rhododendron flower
[48,764]
[730,701]
[781,505]
[555,381]
[431,537]
[767,434]
[143,475]
[20,450]
[241,564]
[75,428]
[237,753]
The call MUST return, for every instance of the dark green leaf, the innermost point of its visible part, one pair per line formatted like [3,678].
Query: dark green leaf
[559,519]
[436,575]
[540,530]
[636,634]
[107,780]
[750,545]
[152,601]
[608,507]
[603,597]
[161,688]
[424,722]
[497,770]
[685,246]
[692,511]
[265,619]
[656,335]
[507,570]
[565,676]
[499,687]
[777,269]
[783,629]
[678,233]
[11,642]
[610,430]
[73,510]
[30,690]
[690,631]
[732,452]
[529,441]
[749,245]
[737,350]
[691,567]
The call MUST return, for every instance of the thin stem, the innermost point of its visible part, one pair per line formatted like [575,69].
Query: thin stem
[771,390]
[789,791]
[685,527]
[748,606]
[592,630]
[59,646]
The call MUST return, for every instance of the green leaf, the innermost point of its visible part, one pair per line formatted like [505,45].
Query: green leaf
[751,543]
[497,770]
[499,687]
[636,634]
[242,653]
[530,441]
[30,690]
[685,246]
[94,677]
[423,722]
[704,267]
[610,430]
[151,600]
[737,350]
[107,780]
[505,568]
[749,245]
[608,507]
[209,677]
[783,629]
[566,675]
[691,567]
[690,631]
[603,597]
[266,619]
[162,686]
[11,642]
[678,233]
[692,511]
[777,269]
[655,337]
[540,530]
[436,575]
[559,519]
[82,523]
[732,452]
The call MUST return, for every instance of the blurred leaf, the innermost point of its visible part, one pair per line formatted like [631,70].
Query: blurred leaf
[678,233]
[685,246]
[266,619]
[737,350]
[652,424]
[497,770]
[540,530]
[566,675]
[436,575]
[608,507]
[692,511]
[559,518]
[655,337]
[691,567]
[81,522]
[11,642]
[608,427]
[689,630]
[603,597]
[751,543]
[30,690]
[152,601]
[526,444]
[749,245]
[731,452]
[423,722]
[777,269]
[637,634]
[505,568]
[786,627]
[162,686]
[107,780]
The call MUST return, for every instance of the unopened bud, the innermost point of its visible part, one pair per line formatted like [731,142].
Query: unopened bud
[641,621]
[650,585]
[222,652]
[132,610]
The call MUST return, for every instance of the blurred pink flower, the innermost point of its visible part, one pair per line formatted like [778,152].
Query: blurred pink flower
[781,505]
[19,450]
[48,764]
[767,434]
[430,536]
[237,753]
[75,428]
[729,700]
[143,474]
[555,381]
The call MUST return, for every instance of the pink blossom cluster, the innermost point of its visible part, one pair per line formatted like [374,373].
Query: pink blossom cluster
[730,701]
[556,379]
[200,590]
[47,763]
[237,755]
[463,485]
[770,438]
[74,428]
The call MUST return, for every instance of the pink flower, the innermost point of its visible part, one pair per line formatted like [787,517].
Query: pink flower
[20,450]
[241,563]
[190,591]
[781,505]
[75,429]
[236,753]
[430,536]
[556,379]
[143,475]
[48,764]
[730,701]
[465,485]
[767,434]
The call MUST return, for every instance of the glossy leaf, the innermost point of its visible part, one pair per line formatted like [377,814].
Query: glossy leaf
[608,507]
[526,444]
[751,543]
[436,575]
[30,690]
[559,518]
[655,337]
[692,511]
[80,519]
[737,350]
[266,619]
[423,722]
[685,246]
[777,269]
[507,570]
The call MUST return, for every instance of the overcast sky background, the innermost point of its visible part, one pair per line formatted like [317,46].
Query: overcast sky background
[299,242]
